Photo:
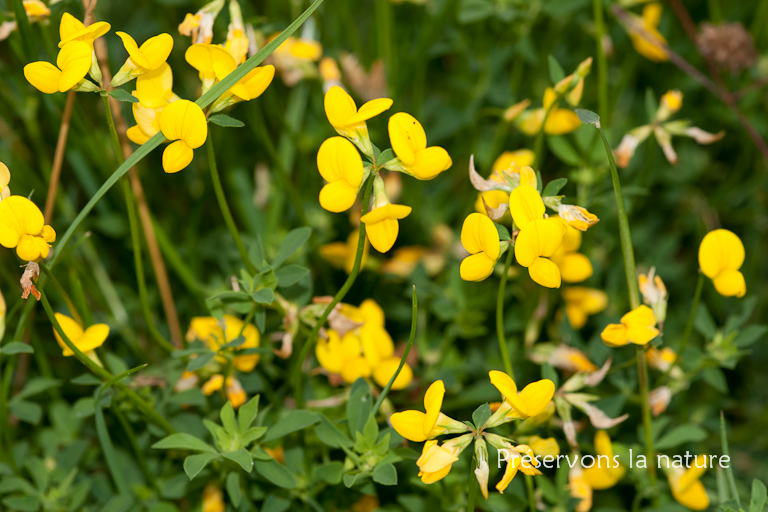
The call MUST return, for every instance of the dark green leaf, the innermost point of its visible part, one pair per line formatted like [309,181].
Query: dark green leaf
[276,473]
[759,495]
[194,464]
[226,121]
[564,151]
[264,296]
[681,434]
[385,474]
[181,441]
[330,435]
[292,242]
[293,421]
[554,186]
[29,412]
[16,347]
[199,361]
[587,116]
[121,95]
[233,489]
[22,503]
[556,72]
[358,406]
[330,472]
[481,415]
[241,457]
[291,274]
[247,413]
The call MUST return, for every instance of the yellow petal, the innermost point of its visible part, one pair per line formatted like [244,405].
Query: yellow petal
[370,109]
[476,267]
[410,425]
[252,85]
[720,250]
[177,156]
[538,238]
[545,273]
[479,234]
[600,478]
[641,315]
[210,58]
[156,51]
[430,478]
[93,337]
[43,76]
[603,444]
[694,497]
[154,88]
[387,368]
[561,121]
[534,398]
[525,205]
[730,283]
[382,234]
[355,368]
[436,458]
[18,216]
[339,107]
[184,120]
[503,382]
[641,334]
[338,196]
[71,329]
[372,313]
[508,159]
[575,267]
[337,159]
[407,137]
[430,162]
[32,248]
[74,60]
[433,401]
[69,25]
[133,50]
[615,335]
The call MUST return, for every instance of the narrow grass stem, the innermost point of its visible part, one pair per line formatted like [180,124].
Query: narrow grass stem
[225,211]
[530,492]
[500,316]
[312,337]
[688,328]
[602,62]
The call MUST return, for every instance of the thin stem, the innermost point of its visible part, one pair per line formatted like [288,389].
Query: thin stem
[602,62]
[688,328]
[530,492]
[472,486]
[225,211]
[58,156]
[312,337]
[64,296]
[102,373]
[112,130]
[385,391]
[500,316]
[650,453]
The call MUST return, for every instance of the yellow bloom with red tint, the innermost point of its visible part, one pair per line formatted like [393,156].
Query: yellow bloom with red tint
[531,401]
[409,142]
[142,59]
[645,36]
[340,165]
[22,227]
[213,499]
[576,216]
[582,302]
[420,426]
[382,226]
[209,330]
[436,460]
[72,65]
[86,340]
[72,29]
[559,121]
[721,255]
[348,120]
[686,485]
[660,359]
[574,266]
[184,123]
[638,327]
[606,471]
[481,239]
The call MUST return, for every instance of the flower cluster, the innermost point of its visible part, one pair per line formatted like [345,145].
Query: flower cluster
[22,227]
[342,167]
[437,459]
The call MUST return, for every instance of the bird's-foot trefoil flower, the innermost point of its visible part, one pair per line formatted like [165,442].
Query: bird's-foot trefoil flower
[409,142]
[607,470]
[207,59]
[217,333]
[436,460]
[199,26]
[721,255]
[481,239]
[72,65]
[182,122]
[349,121]
[562,356]
[87,340]
[582,302]
[142,59]
[237,41]
[686,485]
[340,165]
[22,227]
[381,223]
[574,266]
[518,458]
[5,180]
[638,327]
[654,294]
[420,426]
[643,31]
[531,401]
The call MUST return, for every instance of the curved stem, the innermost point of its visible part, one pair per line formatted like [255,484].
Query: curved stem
[500,316]
[688,328]
[224,207]
[602,63]
[312,337]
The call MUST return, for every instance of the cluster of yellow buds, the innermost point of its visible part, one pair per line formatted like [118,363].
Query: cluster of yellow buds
[342,167]
[644,33]
[547,246]
[358,345]
[216,334]
[663,130]
[437,459]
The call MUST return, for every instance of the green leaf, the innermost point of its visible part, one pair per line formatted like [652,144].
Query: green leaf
[182,441]
[556,72]
[292,242]
[264,296]
[276,473]
[503,231]
[371,430]
[241,457]
[247,413]
[330,472]
[36,386]
[226,121]
[564,151]
[385,474]
[481,415]
[29,412]
[110,456]
[750,334]
[715,378]
[681,434]
[15,484]
[358,406]
[23,503]
[16,347]
[651,104]
[386,156]
[121,95]
[86,379]
[199,361]
[759,496]
[587,116]
[547,372]
[233,489]
[194,464]
[330,435]
[554,186]
[726,452]
[293,421]
[275,503]
[120,503]
[291,274]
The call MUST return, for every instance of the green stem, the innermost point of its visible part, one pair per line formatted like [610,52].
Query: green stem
[729,469]
[312,337]
[65,297]
[472,486]
[102,373]
[602,62]
[500,316]
[225,211]
[688,328]
[530,492]
[385,391]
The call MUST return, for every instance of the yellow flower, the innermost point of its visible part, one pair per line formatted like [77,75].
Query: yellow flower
[86,340]
[579,488]
[603,475]
[650,44]
[340,165]
[382,226]
[189,26]
[237,42]
[409,142]
[531,401]
[574,266]
[342,254]
[522,459]
[207,59]
[637,326]
[151,55]
[72,64]
[200,25]
[509,160]
[436,461]
[235,392]
[22,226]
[333,353]
[671,102]
[208,330]
[72,29]
[686,487]
[581,302]
[562,356]
[183,122]
[215,383]
[36,9]
[213,498]
[480,238]
[387,368]
[348,120]
[721,255]
[147,123]
[654,293]
[5,179]
[544,446]
[154,88]
[492,198]
[577,217]
[559,121]
[418,426]
[660,359]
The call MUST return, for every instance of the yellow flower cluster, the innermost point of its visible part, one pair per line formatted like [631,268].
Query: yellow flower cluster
[22,227]
[359,346]
[343,168]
